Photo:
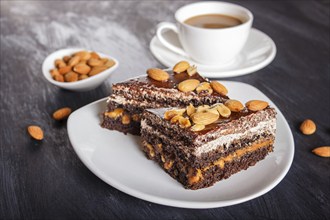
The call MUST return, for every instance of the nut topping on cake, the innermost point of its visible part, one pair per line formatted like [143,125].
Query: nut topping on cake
[173,112]
[181,67]
[204,89]
[219,88]
[192,70]
[234,105]
[223,110]
[190,109]
[197,127]
[256,105]
[188,85]
[158,74]
[204,118]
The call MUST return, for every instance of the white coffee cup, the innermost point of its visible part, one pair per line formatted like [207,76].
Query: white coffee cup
[208,46]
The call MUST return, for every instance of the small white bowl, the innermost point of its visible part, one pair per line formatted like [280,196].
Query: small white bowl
[82,85]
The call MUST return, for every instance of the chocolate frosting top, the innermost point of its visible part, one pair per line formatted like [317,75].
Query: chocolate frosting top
[171,83]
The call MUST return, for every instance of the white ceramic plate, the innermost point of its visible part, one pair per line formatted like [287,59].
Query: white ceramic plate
[258,52]
[117,159]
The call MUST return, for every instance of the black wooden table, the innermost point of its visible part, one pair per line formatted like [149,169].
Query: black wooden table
[46,179]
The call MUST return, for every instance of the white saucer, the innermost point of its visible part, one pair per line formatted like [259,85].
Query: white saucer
[258,52]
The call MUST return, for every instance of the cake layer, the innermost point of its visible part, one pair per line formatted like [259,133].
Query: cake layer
[218,136]
[220,168]
[135,95]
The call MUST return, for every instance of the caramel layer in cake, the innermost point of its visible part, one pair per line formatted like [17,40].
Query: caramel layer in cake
[199,159]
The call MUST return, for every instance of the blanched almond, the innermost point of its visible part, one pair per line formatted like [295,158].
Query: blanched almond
[176,118]
[168,115]
[188,85]
[322,151]
[204,118]
[181,67]
[308,127]
[197,127]
[184,122]
[204,88]
[82,68]
[62,113]
[35,132]
[190,109]
[219,88]
[223,110]
[158,74]
[234,105]
[256,105]
[192,70]
[202,108]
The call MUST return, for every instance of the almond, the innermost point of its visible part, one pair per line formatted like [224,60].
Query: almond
[181,67]
[197,127]
[74,61]
[83,55]
[202,108]
[82,76]
[308,127]
[59,63]
[188,85]
[64,70]
[223,110]
[104,60]
[192,70]
[66,58]
[59,78]
[184,122]
[94,55]
[323,151]
[176,118]
[96,70]
[190,109]
[71,77]
[62,113]
[35,132]
[204,118]
[168,164]
[168,115]
[81,68]
[234,105]
[204,89]
[95,62]
[54,72]
[158,74]
[219,88]
[213,110]
[256,105]
[109,63]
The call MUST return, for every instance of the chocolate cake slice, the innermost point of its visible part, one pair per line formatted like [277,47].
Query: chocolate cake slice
[158,89]
[199,146]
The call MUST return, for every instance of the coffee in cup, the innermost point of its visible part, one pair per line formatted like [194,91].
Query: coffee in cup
[211,33]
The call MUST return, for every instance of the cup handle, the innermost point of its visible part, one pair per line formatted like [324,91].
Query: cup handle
[167,25]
